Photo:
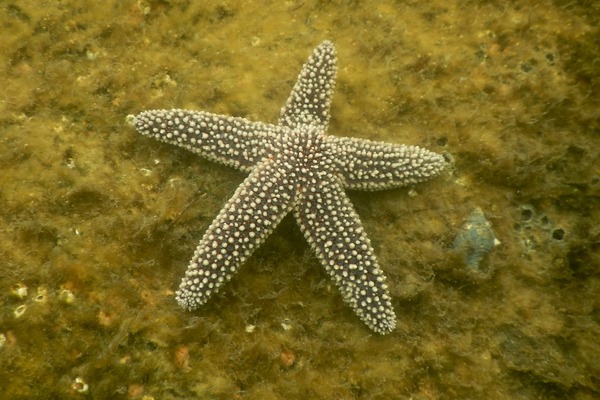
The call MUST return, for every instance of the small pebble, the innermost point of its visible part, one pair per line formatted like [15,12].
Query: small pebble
[19,290]
[79,385]
[42,295]
[19,311]
[66,296]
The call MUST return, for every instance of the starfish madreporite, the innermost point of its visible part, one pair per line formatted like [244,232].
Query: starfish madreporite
[294,166]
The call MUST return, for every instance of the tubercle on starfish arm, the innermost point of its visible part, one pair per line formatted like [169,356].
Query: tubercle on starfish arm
[294,166]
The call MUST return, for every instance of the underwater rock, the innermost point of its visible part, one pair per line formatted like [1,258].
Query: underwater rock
[475,239]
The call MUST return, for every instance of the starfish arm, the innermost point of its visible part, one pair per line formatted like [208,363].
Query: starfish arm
[369,165]
[335,233]
[232,141]
[245,221]
[310,99]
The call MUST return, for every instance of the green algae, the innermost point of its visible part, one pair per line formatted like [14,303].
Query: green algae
[504,90]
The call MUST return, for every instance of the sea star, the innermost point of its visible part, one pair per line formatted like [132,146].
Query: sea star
[294,166]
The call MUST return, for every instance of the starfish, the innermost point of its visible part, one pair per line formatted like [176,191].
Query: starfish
[294,166]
